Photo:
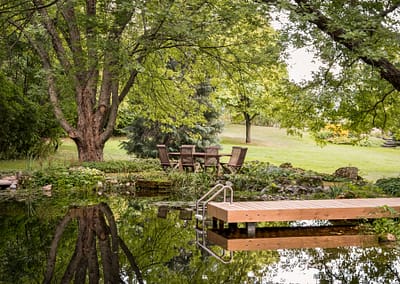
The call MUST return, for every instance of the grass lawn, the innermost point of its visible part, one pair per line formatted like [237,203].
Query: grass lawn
[274,146]
[268,145]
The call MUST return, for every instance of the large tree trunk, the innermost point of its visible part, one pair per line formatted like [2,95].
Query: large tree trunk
[89,149]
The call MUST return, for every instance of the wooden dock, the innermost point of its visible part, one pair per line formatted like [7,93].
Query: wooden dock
[292,210]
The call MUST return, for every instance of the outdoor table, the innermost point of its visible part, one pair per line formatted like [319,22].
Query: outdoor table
[201,156]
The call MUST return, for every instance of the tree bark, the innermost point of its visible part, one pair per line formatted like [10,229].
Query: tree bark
[247,120]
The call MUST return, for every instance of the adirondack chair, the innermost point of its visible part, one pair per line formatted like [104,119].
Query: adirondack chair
[236,160]
[166,163]
[211,159]
[186,160]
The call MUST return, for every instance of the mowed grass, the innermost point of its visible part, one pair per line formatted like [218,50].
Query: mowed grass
[269,144]
[275,146]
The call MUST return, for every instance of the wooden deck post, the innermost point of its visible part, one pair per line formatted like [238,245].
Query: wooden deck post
[218,224]
[251,229]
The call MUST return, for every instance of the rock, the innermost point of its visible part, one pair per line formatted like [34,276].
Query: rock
[388,238]
[5,183]
[286,166]
[310,181]
[47,187]
[347,172]
[9,182]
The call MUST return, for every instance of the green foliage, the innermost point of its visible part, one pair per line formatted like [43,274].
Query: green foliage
[191,186]
[263,176]
[24,127]
[350,86]
[135,165]
[384,226]
[144,133]
[156,53]
[65,178]
[389,185]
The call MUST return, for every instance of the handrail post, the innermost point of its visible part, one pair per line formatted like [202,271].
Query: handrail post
[214,192]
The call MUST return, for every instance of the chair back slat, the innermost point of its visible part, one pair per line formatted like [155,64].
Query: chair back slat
[242,156]
[210,159]
[163,155]
[187,159]
[235,154]
[238,156]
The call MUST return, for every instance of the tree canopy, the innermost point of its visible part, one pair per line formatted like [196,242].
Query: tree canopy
[95,53]
[358,81]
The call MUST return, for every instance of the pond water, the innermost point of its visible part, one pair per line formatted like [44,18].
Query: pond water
[70,236]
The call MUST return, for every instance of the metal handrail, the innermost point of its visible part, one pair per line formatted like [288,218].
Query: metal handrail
[209,192]
[204,246]
[216,190]
[210,195]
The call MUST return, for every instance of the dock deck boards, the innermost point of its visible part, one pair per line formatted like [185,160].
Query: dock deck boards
[292,210]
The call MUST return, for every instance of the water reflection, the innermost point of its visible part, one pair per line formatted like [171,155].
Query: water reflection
[97,230]
[164,249]
[273,238]
[327,254]
[342,265]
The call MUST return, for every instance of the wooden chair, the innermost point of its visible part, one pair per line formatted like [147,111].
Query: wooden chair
[236,160]
[186,160]
[211,159]
[166,163]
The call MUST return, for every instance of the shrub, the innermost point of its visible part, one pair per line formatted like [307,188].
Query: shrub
[65,178]
[389,185]
[136,165]
[28,128]
[336,134]
[191,186]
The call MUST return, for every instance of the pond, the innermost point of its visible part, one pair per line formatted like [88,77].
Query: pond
[79,236]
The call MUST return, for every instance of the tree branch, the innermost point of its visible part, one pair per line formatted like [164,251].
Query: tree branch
[389,10]
[73,37]
[51,29]
[388,71]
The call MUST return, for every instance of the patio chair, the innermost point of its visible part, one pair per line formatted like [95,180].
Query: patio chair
[186,160]
[236,160]
[211,159]
[166,163]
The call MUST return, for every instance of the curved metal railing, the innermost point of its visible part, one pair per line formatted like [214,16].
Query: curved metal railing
[201,215]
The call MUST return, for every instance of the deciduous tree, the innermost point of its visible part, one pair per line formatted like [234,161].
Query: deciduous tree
[95,51]
[359,80]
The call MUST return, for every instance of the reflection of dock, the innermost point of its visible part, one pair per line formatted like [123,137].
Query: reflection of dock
[291,238]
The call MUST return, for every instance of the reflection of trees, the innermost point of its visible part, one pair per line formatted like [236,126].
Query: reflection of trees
[356,265]
[23,240]
[96,230]
[165,249]
[344,265]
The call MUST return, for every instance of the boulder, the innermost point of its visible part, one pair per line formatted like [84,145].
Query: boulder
[347,172]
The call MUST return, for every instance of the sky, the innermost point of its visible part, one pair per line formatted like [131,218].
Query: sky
[301,64]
